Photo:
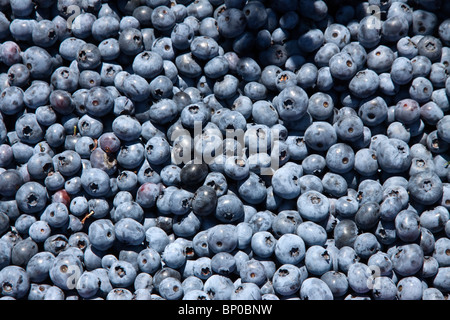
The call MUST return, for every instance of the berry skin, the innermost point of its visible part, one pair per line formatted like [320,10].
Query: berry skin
[224,150]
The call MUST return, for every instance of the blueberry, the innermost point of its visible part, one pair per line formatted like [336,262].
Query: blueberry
[218,287]
[342,66]
[105,27]
[163,111]
[174,255]
[366,244]
[23,251]
[369,35]
[313,206]
[236,168]
[31,197]
[122,274]
[291,103]
[119,294]
[147,194]
[8,95]
[431,113]
[425,187]
[286,182]
[231,22]
[37,292]
[193,174]
[315,289]
[407,48]
[359,277]
[345,233]
[440,281]
[186,225]
[443,33]
[441,126]
[37,94]
[368,215]
[432,294]
[10,181]
[337,281]
[204,201]
[290,249]
[5,253]
[346,206]
[320,136]
[39,231]
[21,29]
[338,34]
[204,48]
[156,238]
[310,182]
[89,79]
[222,238]
[311,40]
[101,234]
[128,209]
[136,88]
[409,288]
[55,214]
[94,182]
[10,53]
[430,47]
[226,87]
[170,139]
[439,254]
[394,29]
[216,67]
[366,162]
[384,289]
[65,271]
[193,114]
[170,289]
[263,244]
[247,291]
[44,34]
[15,281]
[364,83]
[18,75]
[200,244]
[196,294]
[320,106]
[223,263]
[380,59]
[149,261]
[391,147]
[407,259]
[387,86]
[287,279]
[347,257]
[340,158]
[229,208]
[187,65]
[325,80]
[253,271]
[87,285]
[218,182]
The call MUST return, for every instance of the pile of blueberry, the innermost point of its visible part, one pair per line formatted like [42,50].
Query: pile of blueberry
[224,149]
